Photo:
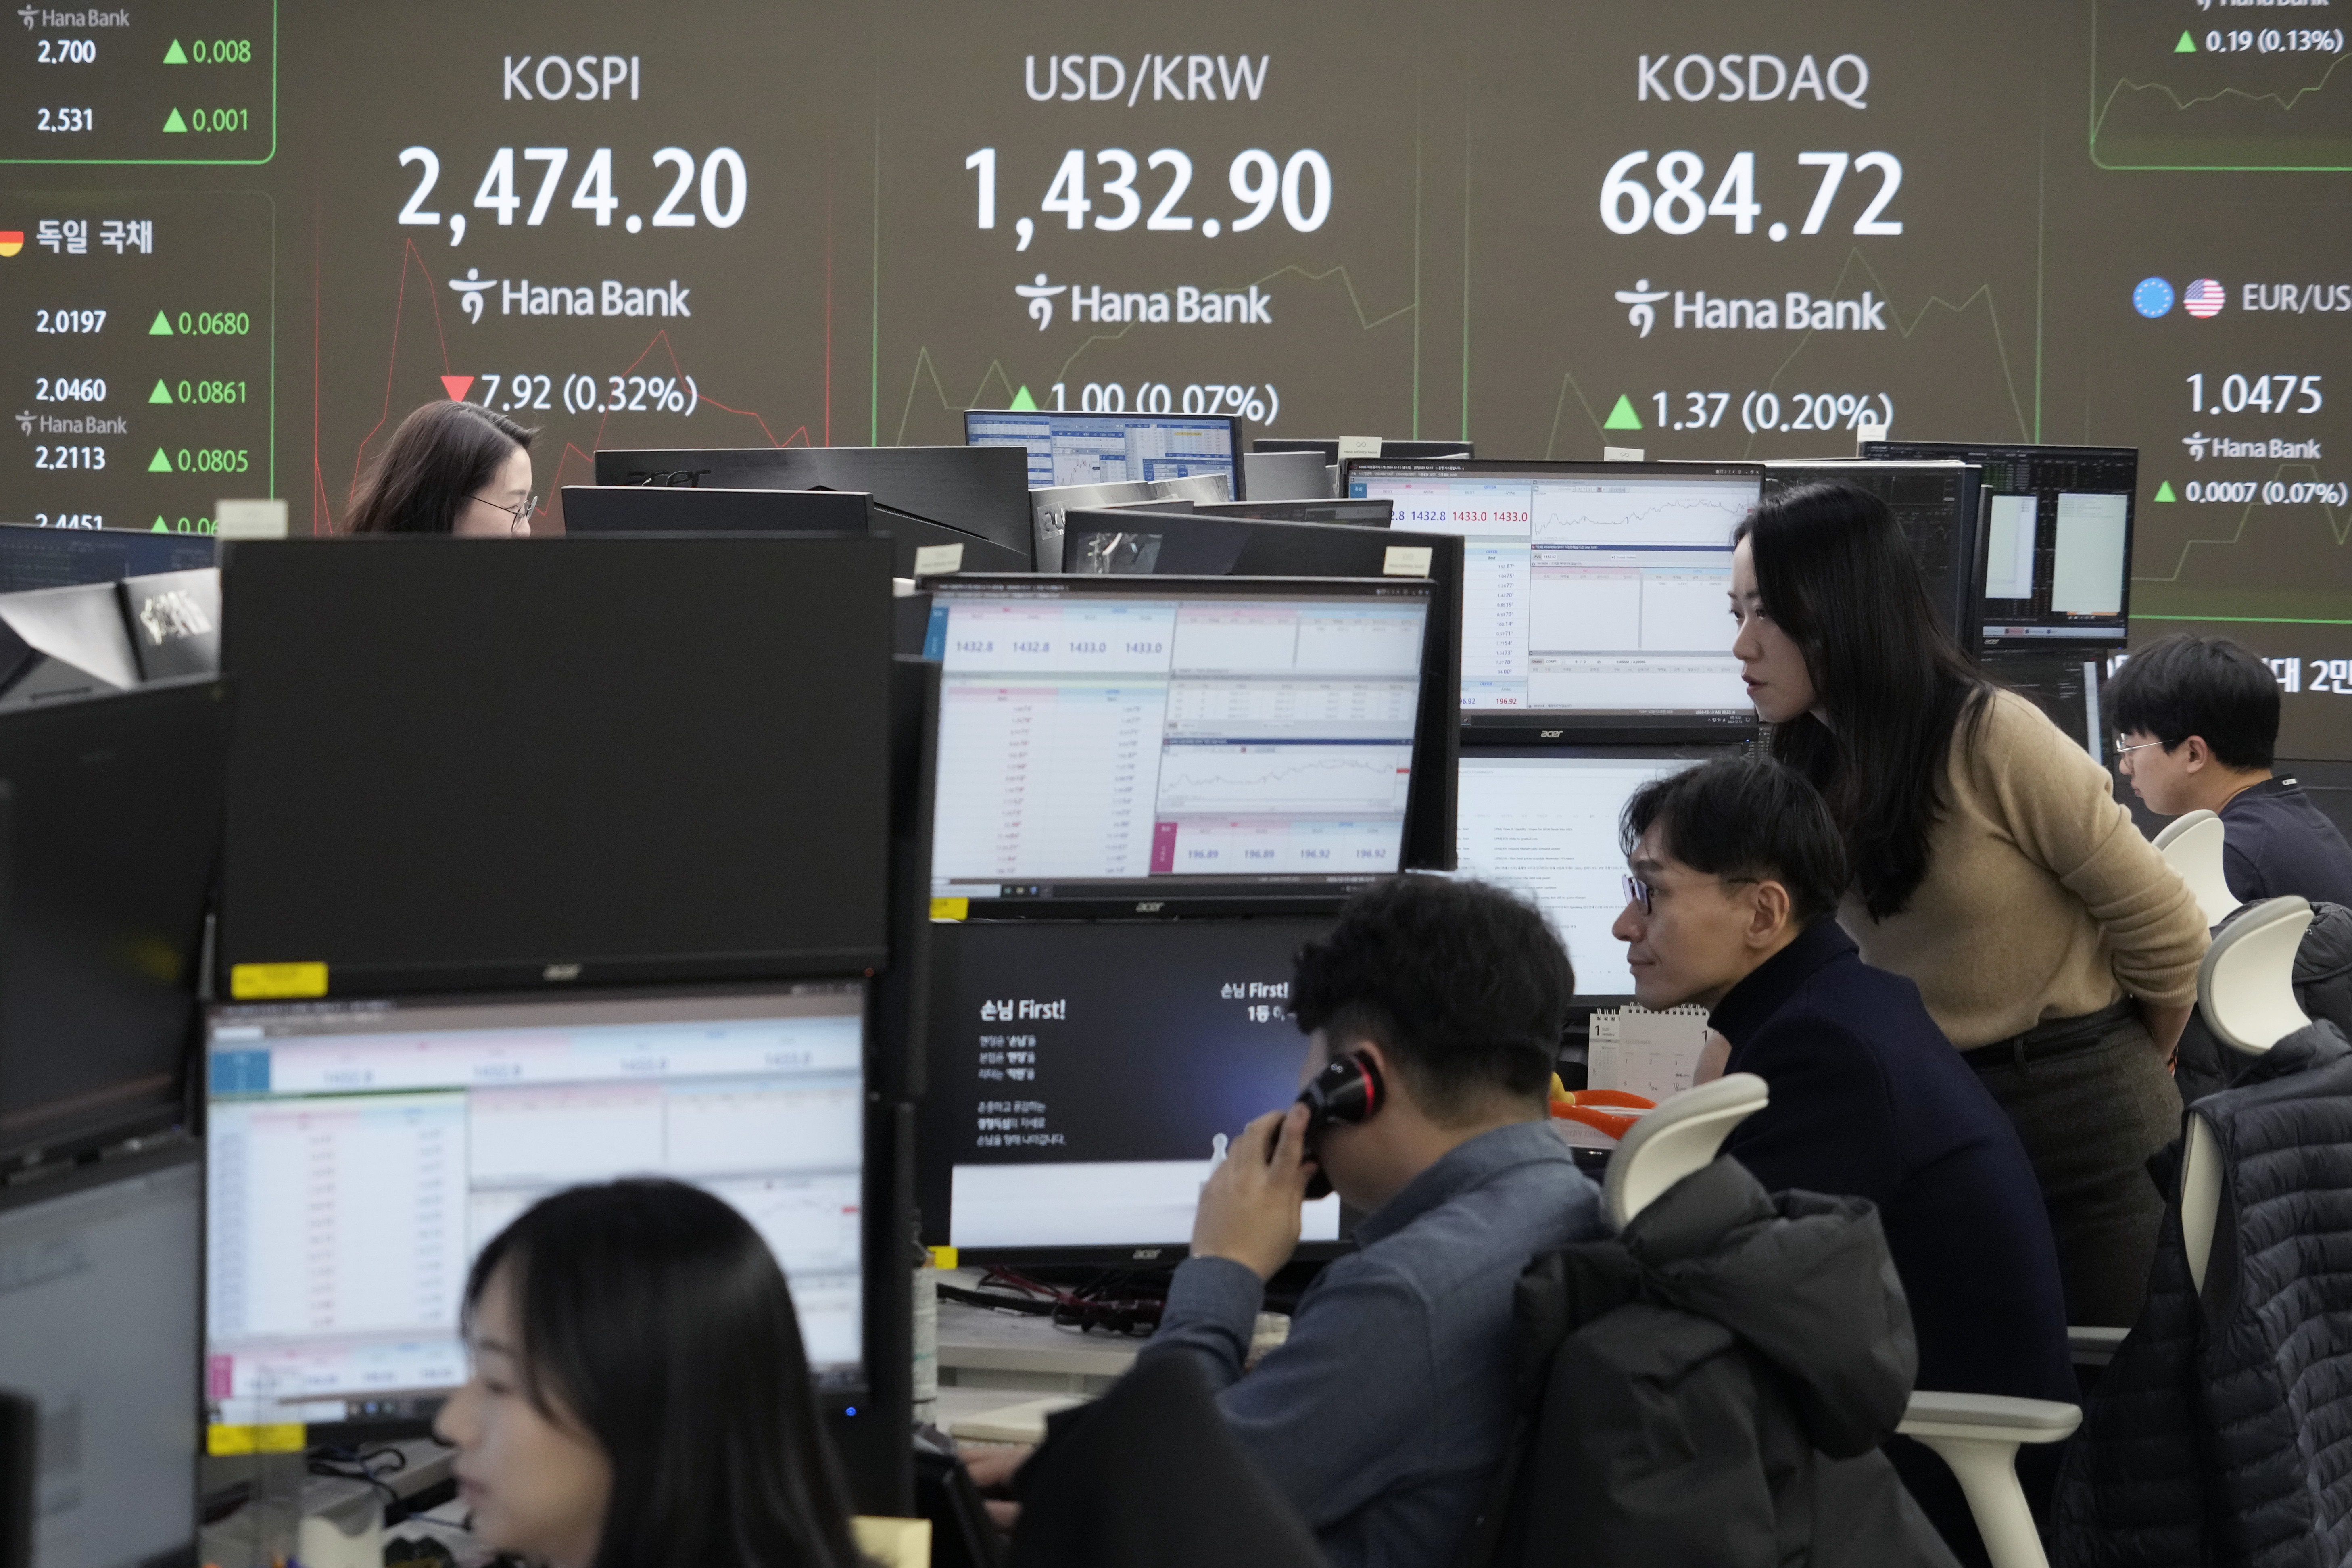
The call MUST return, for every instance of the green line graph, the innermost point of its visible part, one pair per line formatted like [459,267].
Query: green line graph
[2142,116]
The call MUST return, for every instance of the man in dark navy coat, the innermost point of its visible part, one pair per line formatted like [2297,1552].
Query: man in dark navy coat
[1736,870]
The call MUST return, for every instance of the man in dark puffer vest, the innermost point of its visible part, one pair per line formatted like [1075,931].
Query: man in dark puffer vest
[2218,1434]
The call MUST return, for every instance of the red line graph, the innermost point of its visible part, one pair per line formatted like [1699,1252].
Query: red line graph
[322,509]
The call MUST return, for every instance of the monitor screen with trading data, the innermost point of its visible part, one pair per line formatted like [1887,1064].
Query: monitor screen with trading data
[100,1302]
[1938,508]
[361,1154]
[1104,448]
[1545,823]
[1591,590]
[1169,736]
[2057,544]
[1088,1076]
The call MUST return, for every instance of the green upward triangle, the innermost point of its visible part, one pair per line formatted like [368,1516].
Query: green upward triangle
[162,327]
[1022,402]
[160,527]
[1622,416]
[160,464]
[175,122]
[2163,491]
[2187,46]
[161,395]
[175,55]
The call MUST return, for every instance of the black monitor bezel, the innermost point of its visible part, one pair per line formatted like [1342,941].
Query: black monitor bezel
[1232,422]
[1131,897]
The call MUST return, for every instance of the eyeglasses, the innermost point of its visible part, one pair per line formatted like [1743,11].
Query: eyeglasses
[1644,897]
[522,514]
[2124,749]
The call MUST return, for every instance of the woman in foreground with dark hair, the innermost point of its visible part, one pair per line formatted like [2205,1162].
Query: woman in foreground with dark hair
[451,468]
[1992,865]
[639,1397]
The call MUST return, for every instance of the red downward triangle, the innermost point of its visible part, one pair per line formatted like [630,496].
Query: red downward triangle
[456,386]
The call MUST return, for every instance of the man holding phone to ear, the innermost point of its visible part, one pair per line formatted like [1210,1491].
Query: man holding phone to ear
[1433,1012]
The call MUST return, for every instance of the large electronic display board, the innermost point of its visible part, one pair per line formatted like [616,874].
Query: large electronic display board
[239,239]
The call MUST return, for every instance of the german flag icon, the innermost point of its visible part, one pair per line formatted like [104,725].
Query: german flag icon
[12,240]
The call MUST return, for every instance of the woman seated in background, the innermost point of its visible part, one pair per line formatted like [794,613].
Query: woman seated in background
[1992,865]
[451,468]
[638,1396]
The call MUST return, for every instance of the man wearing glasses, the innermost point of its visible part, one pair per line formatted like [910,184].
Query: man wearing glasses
[1737,870]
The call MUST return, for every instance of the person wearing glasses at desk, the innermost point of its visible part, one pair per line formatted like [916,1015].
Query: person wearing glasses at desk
[1990,865]
[451,468]
[1737,875]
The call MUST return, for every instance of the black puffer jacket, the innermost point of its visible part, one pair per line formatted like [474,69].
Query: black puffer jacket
[2219,1434]
[2323,984]
[1714,1384]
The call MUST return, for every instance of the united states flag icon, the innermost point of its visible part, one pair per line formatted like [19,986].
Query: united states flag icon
[2203,297]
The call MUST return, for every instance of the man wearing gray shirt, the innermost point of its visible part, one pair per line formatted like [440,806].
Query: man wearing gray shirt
[1385,1415]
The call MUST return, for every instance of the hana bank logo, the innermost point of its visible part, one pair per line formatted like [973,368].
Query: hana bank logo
[1040,296]
[1641,297]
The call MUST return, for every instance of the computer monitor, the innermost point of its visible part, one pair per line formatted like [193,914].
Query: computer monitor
[618,508]
[1938,505]
[359,1156]
[466,762]
[1088,1076]
[112,809]
[1147,744]
[917,544]
[62,643]
[2057,535]
[1545,822]
[1362,513]
[975,491]
[2061,679]
[33,557]
[1593,593]
[1288,476]
[100,1299]
[1148,544]
[1393,452]
[1104,448]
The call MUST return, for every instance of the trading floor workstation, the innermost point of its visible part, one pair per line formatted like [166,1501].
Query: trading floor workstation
[674,849]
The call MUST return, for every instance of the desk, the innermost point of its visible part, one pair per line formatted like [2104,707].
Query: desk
[983,1349]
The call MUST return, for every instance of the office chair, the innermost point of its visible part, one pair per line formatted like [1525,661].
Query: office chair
[2245,992]
[2191,844]
[1976,1433]
[1679,1136]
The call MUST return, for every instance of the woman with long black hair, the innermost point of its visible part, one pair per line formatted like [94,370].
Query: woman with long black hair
[1991,866]
[639,1397]
[451,468]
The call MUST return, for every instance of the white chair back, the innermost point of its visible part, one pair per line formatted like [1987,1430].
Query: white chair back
[2246,990]
[2246,986]
[2191,844]
[1679,1136]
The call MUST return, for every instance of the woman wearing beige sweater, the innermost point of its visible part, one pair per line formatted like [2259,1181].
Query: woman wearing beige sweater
[1993,867]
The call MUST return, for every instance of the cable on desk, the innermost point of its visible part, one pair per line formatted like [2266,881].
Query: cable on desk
[1103,1302]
